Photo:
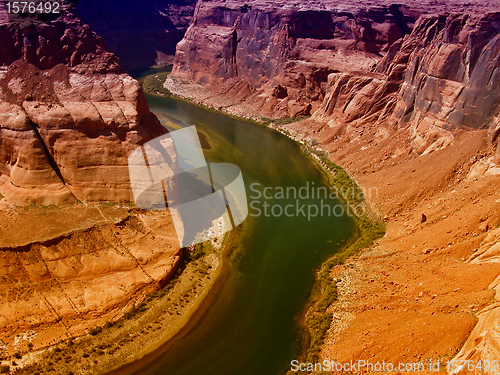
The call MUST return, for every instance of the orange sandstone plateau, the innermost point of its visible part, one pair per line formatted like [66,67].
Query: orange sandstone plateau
[405,97]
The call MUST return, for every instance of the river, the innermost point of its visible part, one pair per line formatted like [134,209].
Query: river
[251,325]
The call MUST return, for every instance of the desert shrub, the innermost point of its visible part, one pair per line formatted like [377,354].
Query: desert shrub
[317,324]
[96,330]
[154,84]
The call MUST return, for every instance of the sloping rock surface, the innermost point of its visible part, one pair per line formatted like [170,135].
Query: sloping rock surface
[69,118]
[277,58]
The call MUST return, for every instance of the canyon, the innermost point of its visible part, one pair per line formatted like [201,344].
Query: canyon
[70,117]
[140,34]
[406,99]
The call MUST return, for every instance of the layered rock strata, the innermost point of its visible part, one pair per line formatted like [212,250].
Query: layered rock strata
[277,60]
[80,267]
[69,119]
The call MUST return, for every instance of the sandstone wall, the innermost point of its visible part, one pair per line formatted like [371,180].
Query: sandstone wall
[451,81]
[282,56]
[349,64]
[70,116]
[80,267]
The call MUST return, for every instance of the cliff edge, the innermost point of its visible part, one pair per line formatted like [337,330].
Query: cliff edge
[70,115]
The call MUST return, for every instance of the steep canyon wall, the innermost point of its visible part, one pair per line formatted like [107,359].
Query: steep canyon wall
[140,33]
[349,64]
[69,118]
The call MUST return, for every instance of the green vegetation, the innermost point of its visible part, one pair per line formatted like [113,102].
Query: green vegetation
[281,121]
[318,320]
[317,325]
[200,249]
[34,205]
[108,204]
[153,84]
[337,176]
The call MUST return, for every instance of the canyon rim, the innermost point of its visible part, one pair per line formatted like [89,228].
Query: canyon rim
[404,97]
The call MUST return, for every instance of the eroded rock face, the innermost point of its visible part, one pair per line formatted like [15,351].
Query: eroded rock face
[392,66]
[451,81]
[69,119]
[58,287]
[439,78]
[277,59]
[285,53]
[483,342]
[70,116]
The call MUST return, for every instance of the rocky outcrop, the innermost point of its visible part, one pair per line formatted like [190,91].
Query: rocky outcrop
[69,119]
[140,33]
[451,81]
[70,116]
[439,78]
[482,346]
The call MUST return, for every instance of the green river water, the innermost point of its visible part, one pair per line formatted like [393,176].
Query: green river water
[251,325]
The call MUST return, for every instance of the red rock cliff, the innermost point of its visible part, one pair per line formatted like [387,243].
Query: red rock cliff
[69,118]
[284,54]
[351,63]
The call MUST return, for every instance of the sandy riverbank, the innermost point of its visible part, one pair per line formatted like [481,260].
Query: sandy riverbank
[415,296]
